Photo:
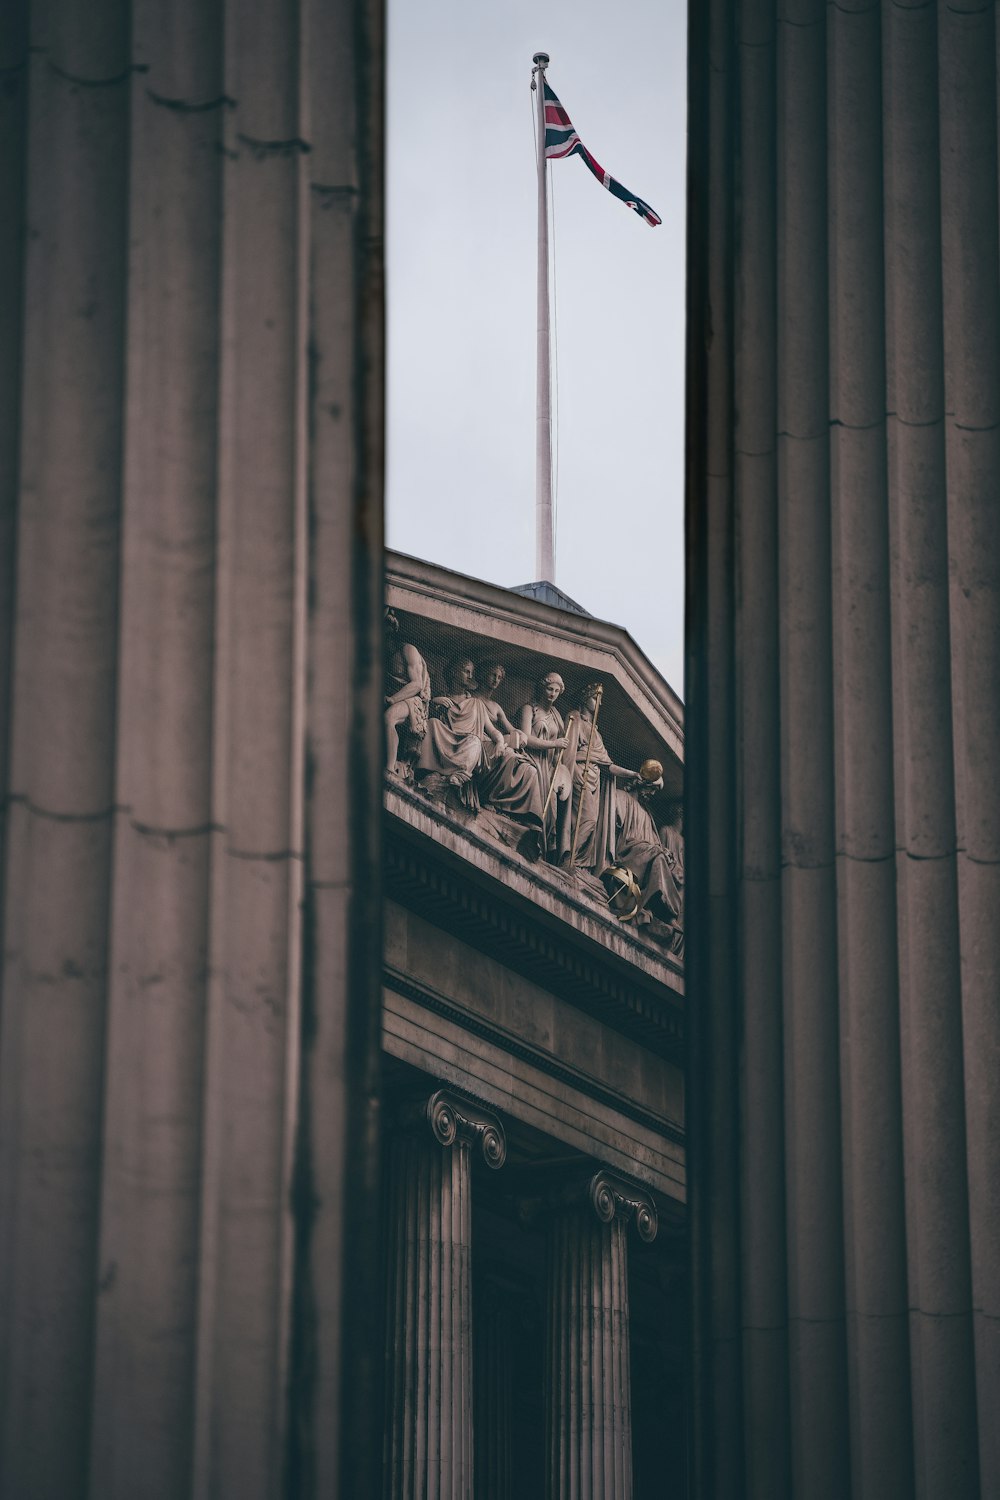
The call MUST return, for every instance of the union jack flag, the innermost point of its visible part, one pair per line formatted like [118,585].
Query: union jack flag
[561,139]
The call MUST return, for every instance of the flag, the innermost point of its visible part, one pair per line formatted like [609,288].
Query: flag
[562,140]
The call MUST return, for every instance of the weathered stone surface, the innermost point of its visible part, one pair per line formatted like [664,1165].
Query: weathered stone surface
[577,774]
[843,314]
[429,1359]
[189,1019]
[589,1420]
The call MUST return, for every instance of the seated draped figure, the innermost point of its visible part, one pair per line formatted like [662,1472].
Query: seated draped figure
[509,778]
[612,825]
[550,775]
[458,729]
[471,748]
[408,684]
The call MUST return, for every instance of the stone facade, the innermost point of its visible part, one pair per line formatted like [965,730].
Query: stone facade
[511,981]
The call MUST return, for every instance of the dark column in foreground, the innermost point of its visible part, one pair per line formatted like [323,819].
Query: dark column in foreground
[191,699]
[844,612]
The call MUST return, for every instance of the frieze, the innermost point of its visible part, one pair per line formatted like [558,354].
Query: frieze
[530,769]
[442,601]
[624,995]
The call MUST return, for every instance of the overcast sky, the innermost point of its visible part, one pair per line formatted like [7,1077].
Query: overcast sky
[461,300]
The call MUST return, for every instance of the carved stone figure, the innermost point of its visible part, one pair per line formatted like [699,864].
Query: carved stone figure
[508,778]
[541,784]
[409,689]
[672,834]
[544,739]
[638,846]
[490,673]
[594,778]
[458,728]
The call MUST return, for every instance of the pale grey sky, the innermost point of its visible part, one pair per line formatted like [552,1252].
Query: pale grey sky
[461,300]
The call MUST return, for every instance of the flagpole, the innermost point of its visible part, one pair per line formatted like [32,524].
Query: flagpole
[545,566]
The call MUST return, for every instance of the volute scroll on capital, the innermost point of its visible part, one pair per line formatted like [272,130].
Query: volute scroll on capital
[614,1197]
[607,1194]
[453,1116]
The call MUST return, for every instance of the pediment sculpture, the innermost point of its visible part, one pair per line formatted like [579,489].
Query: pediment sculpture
[540,780]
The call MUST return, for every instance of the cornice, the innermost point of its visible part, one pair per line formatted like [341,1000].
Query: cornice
[545,1062]
[545,893]
[547,944]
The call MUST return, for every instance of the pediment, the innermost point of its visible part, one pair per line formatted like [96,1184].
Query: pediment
[444,615]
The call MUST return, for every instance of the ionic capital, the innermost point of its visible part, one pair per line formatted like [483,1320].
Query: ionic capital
[455,1117]
[605,1192]
[615,1197]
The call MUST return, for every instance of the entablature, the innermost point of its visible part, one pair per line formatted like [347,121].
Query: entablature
[533,922]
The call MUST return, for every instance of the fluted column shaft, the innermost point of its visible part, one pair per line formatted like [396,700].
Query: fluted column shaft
[589,1429]
[853,300]
[590,1416]
[763,1267]
[967,86]
[874,1230]
[817,1366]
[428,1434]
[190,798]
[429,1406]
[61,729]
[941,1353]
[710,964]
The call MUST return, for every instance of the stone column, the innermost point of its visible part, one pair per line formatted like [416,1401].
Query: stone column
[816,1346]
[763,1266]
[190,791]
[844,449]
[970,221]
[589,1436]
[428,1439]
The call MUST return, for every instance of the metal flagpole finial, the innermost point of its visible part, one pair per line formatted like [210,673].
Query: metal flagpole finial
[541,60]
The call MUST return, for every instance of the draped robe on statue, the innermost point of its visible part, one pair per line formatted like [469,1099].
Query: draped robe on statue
[453,744]
[508,779]
[460,747]
[673,842]
[547,724]
[593,796]
[612,826]
[639,848]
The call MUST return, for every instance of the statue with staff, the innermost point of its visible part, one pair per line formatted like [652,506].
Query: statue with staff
[544,740]
[595,780]
[408,692]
